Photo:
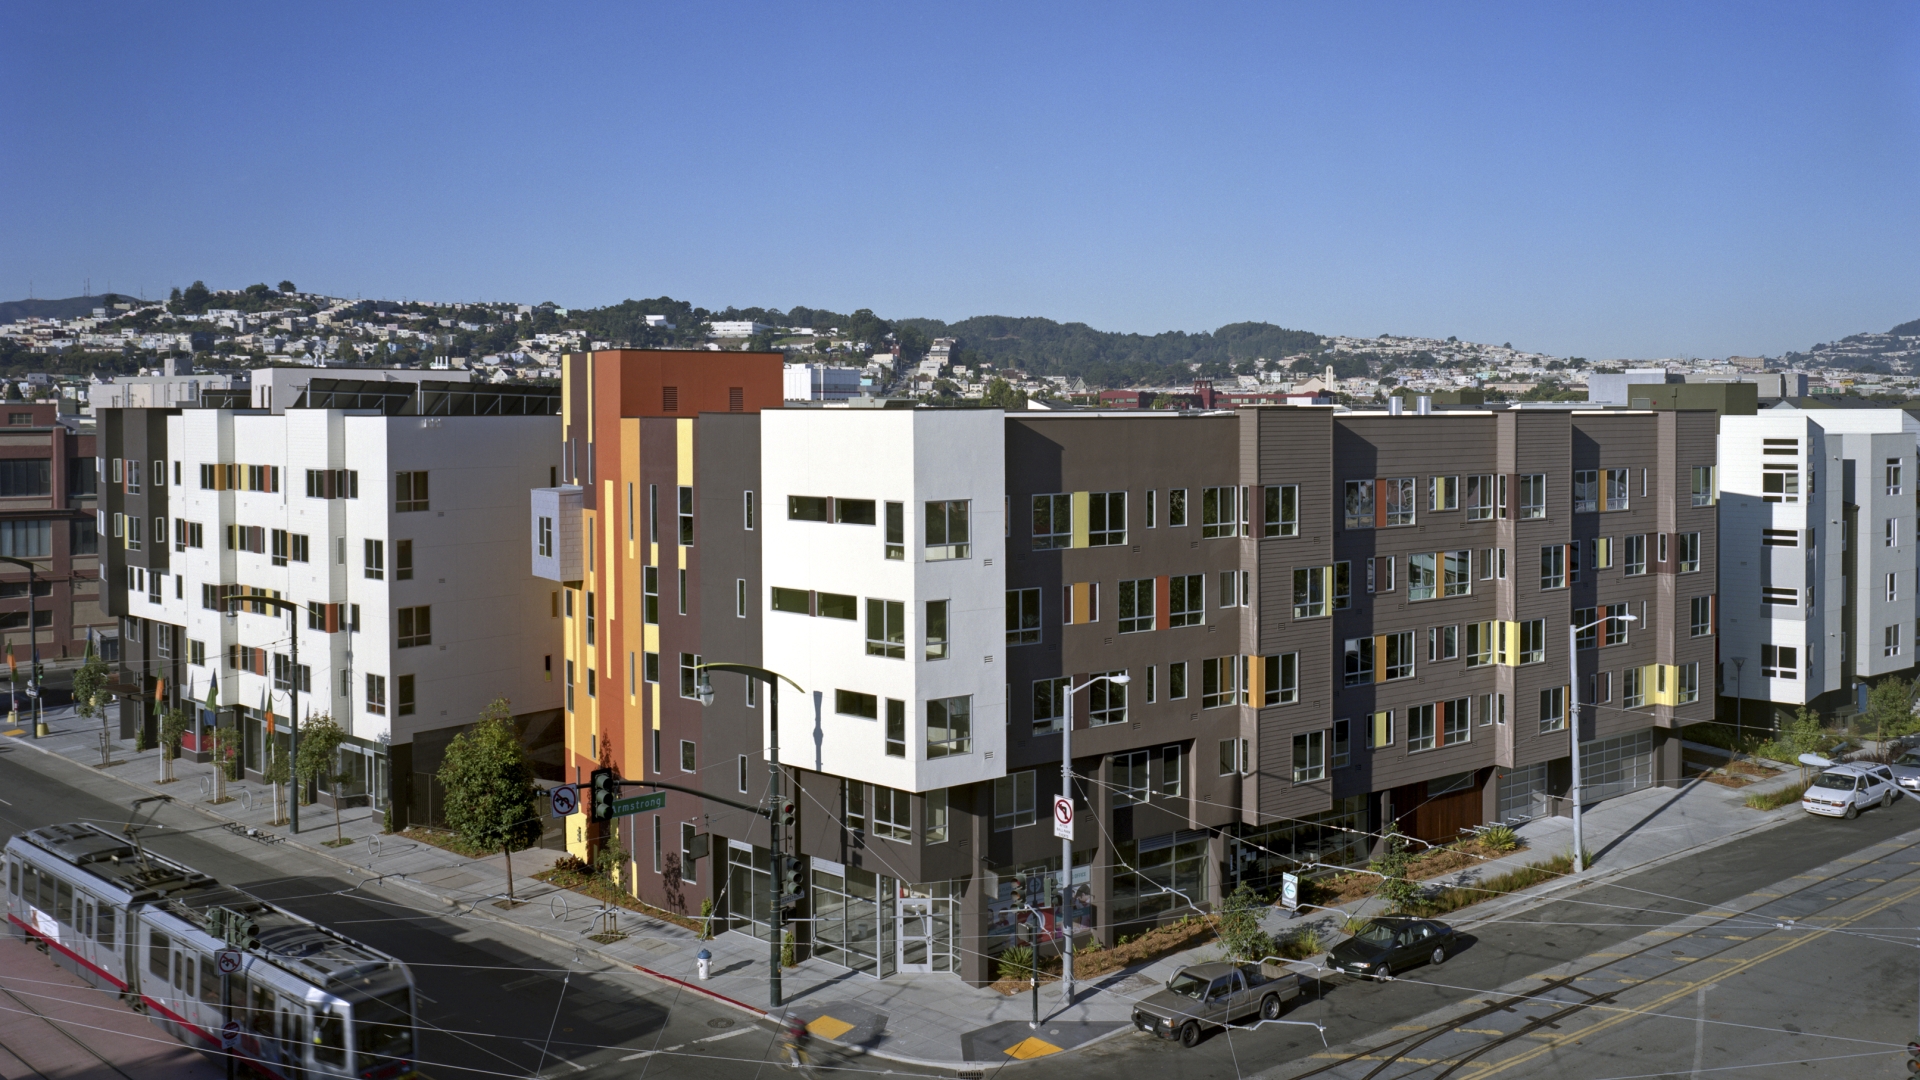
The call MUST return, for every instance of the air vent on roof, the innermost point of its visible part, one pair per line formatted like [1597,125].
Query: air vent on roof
[736,399]
[669,399]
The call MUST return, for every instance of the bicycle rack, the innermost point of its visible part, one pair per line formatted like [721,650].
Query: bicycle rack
[206,786]
[557,908]
[245,795]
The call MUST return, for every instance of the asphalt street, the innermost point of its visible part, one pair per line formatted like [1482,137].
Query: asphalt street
[496,1002]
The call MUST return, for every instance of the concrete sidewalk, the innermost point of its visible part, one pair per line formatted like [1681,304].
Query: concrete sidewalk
[923,1019]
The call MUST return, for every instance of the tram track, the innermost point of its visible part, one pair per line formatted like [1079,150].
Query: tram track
[64,1033]
[1397,1051]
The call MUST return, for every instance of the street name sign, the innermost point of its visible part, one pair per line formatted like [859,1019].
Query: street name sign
[639,804]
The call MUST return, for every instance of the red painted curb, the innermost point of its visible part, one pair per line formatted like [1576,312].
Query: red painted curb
[700,990]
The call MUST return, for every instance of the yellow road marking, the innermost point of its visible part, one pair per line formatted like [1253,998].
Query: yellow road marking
[1617,1018]
[1029,1048]
[828,1027]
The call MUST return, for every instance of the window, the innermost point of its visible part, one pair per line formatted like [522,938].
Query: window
[1700,621]
[936,630]
[1342,744]
[543,537]
[1359,658]
[1533,495]
[1052,522]
[1013,801]
[1780,537]
[1893,476]
[1309,757]
[1023,616]
[740,598]
[1127,776]
[686,517]
[852,703]
[1893,587]
[1586,491]
[1342,584]
[1602,553]
[1480,502]
[409,492]
[1228,593]
[1779,661]
[1553,567]
[1218,682]
[1703,486]
[1177,680]
[690,676]
[1421,732]
[896,541]
[650,596]
[1443,643]
[1399,655]
[1633,688]
[376,559]
[746,511]
[806,508]
[197,653]
[741,779]
[1689,553]
[1176,507]
[1614,486]
[1106,518]
[853,511]
[650,667]
[934,829]
[1150,508]
[1106,700]
[1779,482]
[1281,679]
[687,756]
[1397,494]
[1616,625]
[1587,627]
[1892,533]
[1136,606]
[1359,504]
[1049,705]
[415,626]
[402,556]
[1173,770]
[892,813]
[887,628]
[133,476]
[32,476]
[1233,757]
[1443,493]
[1281,516]
[896,733]
[947,530]
[1422,579]
[1185,600]
[1216,512]
[402,692]
[1533,641]
[376,695]
[1310,592]
[1688,690]
[1636,555]
[1780,597]
[1456,726]
[1890,641]
[1553,704]
[133,533]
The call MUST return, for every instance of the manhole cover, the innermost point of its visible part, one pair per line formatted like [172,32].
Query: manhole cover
[719,1022]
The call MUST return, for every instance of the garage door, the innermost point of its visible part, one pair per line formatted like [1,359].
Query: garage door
[1616,766]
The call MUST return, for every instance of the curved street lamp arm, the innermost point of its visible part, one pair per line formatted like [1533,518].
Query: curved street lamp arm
[751,672]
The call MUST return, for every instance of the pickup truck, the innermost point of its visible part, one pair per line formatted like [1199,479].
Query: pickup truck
[1205,996]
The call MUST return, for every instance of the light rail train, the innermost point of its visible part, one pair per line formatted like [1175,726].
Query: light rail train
[307,1001]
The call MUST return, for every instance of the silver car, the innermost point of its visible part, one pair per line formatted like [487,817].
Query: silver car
[1906,770]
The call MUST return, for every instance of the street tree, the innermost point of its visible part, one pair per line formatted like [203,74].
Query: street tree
[276,773]
[1890,708]
[87,702]
[320,739]
[173,727]
[490,801]
[1398,890]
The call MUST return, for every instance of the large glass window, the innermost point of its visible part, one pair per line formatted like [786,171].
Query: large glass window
[1049,705]
[1023,616]
[1216,512]
[1281,516]
[949,726]
[1136,605]
[1107,700]
[887,628]
[1158,875]
[949,535]
[1309,592]
[1052,521]
[1398,496]
[1185,600]
[1013,801]
[1106,518]
[1359,504]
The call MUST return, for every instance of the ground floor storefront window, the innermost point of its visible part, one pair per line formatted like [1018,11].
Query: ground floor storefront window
[1010,924]
[1259,855]
[853,918]
[1158,875]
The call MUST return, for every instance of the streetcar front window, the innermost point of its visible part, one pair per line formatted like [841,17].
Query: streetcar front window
[330,1035]
[383,1026]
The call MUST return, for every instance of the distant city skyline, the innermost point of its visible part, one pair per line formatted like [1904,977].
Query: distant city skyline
[1626,182]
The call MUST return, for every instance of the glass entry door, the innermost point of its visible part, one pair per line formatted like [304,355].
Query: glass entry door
[916,934]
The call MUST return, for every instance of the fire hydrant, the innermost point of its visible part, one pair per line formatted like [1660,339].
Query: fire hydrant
[703,960]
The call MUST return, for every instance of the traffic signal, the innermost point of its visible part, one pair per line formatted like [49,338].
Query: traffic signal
[605,789]
[1019,893]
[1913,1058]
[242,931]
[793,881]
[785,812]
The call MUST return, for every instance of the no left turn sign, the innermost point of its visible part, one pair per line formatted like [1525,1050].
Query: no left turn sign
[1063,817]
[566,800]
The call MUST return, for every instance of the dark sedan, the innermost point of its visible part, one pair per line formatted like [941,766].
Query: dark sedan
[1393,943]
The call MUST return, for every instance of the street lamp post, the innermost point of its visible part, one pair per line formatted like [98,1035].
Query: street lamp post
[293,718]
[33,639]
[1739,662]
[1066,843]
[1573,728]
[703,689]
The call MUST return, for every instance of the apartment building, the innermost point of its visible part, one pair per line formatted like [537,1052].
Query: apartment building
[47,491]
[390,513]
[1330,621]
[1818,557]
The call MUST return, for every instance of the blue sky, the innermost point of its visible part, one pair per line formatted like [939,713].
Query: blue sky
[1602,180]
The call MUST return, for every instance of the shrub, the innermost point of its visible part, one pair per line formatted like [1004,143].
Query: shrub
[1239,926]
[1774,800]
[1399,891]
[1016,962]
[786,950]
[1500,838]
[1302,943]
[572,864]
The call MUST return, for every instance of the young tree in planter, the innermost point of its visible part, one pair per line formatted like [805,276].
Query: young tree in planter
[1400,892]
[276,774]
[320,739]
[491,796]
[86,696]
[173,725]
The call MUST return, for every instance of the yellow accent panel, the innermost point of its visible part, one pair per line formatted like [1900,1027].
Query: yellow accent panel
[1256,680]
[1379,658]
[611,518]
[683,428]
[683,556]
[653,554]
[1029,1048]
[577,835]
[654,713]
[1661,682]
[1507,648]
[1080,512]
[590,402]
[1382,729]
[828,1027]
[566,392]
[650,637]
